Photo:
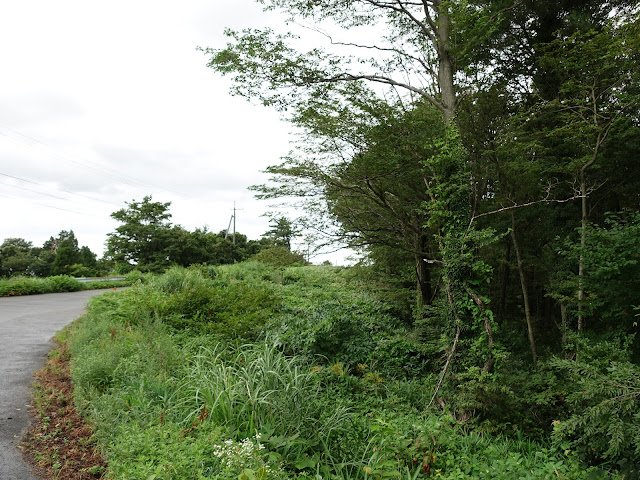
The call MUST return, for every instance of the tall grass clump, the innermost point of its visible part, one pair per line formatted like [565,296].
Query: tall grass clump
[259,389]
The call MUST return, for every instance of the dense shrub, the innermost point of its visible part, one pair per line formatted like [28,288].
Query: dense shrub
[278,257]
[31,286]
[189,298]
[605,401]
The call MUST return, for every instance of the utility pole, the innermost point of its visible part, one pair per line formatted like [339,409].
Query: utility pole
[232,219]
[234,224]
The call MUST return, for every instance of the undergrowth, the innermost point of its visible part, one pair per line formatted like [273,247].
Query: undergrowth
[255,372]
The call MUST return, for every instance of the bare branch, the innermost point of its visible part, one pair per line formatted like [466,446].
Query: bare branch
[398,6]
[347,77]
[397,51]
[453,347]
[522,205]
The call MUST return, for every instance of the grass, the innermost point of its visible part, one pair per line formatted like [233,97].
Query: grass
[313,383]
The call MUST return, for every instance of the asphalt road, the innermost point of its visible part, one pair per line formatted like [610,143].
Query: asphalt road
[27,325]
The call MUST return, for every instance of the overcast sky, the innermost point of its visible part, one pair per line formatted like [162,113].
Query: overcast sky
[106,102]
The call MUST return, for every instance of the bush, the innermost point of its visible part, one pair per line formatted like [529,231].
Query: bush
[31,286]
[605,424]
[58,284]
[64,283]
[278,257]
[187,298]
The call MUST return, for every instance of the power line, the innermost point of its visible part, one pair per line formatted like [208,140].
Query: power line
[18,178]
[47,194]
[51,206]
[31,141]
[65,210]
[35,191]
[59,189]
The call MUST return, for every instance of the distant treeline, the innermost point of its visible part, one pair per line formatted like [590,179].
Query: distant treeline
[146,241]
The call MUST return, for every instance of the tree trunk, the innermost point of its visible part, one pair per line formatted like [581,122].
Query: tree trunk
[583,243]
[506,273]
[423,277]
[525,292]
[445,62]
[563,319]
[423,274]
[585,214]
[488,364]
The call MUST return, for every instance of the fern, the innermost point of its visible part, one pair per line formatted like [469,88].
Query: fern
[605,425]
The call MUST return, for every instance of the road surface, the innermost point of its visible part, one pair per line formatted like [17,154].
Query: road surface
[27,325]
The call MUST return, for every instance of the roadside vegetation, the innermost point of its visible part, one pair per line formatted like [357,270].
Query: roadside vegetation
[56,284]
[254,371]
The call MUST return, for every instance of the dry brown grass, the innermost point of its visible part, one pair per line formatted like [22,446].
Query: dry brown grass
[59,443]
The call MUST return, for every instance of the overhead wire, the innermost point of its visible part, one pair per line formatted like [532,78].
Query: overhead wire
[59,189]
[34,191]
[31,141]
[65,210]
[49,206]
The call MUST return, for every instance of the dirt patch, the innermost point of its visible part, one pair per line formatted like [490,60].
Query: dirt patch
[59,443]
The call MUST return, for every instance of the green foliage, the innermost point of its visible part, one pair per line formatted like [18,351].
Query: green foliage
[187,298]
[281,233]
[15,257]
[57,284]
[612,281]
[24,286]
[58,256]
[531,130]
[605,401]
[192,405]
[143,236]
[278,256]
[259,389]
[147,241]
[64,283]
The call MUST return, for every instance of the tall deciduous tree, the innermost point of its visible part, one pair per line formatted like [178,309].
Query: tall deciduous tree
[420,57]
[376,196]
[424,50]
[143,237]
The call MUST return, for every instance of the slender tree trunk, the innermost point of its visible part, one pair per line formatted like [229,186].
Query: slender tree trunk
[488,364]
[423,277]
[583,243]
[506,273]
[525,292]
[423,274]
[563,320]
[452,350]
[585,213]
